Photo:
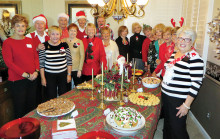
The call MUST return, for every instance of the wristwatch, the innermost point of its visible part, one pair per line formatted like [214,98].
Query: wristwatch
[28,75]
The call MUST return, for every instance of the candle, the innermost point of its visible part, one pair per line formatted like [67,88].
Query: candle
[127,73]
[92,79]
[134,71]
[127,57]
[102,73]
[122,81]
[107,63]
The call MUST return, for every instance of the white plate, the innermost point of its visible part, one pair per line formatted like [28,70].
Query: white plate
[111,122]
[57,115]
[150,85]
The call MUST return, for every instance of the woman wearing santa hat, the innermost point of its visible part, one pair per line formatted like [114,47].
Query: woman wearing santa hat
[63,19]
[39,35]
[94,53]
[81,19]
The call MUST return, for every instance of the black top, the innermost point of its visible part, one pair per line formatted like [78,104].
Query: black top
[123,48]
[136,42]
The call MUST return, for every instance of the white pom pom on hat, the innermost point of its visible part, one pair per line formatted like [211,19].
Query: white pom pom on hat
[63,15]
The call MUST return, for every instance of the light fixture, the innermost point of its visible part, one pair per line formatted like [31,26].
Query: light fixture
[118,9]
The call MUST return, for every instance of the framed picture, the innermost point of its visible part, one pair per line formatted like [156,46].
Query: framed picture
[13,7]
[213,70]
[72,7]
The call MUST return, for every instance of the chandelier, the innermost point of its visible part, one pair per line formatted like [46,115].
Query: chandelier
[118,9]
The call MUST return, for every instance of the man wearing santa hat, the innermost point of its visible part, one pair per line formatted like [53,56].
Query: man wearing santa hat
[63,19]
[101,21]
[39,35]
[81,19]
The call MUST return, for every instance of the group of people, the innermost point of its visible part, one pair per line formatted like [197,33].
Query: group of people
[63,53]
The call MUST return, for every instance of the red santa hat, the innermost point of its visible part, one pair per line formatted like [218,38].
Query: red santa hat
[40,17]
[63,15]
[80,14]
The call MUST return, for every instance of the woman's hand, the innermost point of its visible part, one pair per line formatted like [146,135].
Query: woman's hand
[79,73]
[154,74]
[33,76]
[43,81]
[40,47]
[68,78]
[182,111]
[158,61]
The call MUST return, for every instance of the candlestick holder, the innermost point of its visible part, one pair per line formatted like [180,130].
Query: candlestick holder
[121,103]
[133,90]
[102,104]
[92,97]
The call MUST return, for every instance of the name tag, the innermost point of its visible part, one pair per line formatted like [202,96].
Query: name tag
[29,45]
[85,36]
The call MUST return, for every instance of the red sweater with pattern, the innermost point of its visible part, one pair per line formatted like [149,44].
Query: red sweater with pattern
[98,54]
[20,56]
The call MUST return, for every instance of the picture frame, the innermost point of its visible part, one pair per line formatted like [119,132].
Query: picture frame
[72,7]
[14,7]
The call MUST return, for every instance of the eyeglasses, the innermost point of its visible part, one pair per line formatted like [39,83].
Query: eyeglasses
[187,40]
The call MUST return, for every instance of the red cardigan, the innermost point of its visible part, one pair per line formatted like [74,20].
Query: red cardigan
[20,56]
[98,54]
[164,54]
[145,48]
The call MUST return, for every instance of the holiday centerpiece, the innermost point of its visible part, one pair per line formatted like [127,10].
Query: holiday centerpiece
[113,79]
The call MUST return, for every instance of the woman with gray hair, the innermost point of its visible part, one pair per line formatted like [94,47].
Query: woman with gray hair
[181,83]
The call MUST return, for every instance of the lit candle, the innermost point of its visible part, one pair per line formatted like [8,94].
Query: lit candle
[92,79]
[102,73]
[122,80]
[134,71]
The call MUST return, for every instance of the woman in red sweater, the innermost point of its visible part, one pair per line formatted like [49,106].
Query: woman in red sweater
[23,66]
[94,53]
[165,51]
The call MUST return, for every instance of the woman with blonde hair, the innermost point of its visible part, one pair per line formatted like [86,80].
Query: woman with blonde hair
[158,31]
[55,64]
[136,42]
[94,53]
[111,48]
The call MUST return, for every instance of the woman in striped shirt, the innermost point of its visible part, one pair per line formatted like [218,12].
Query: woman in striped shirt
[55,64]
[181,83]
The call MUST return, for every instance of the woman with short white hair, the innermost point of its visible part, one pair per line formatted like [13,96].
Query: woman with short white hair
[181,83]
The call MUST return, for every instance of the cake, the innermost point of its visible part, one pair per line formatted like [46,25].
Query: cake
[126,117]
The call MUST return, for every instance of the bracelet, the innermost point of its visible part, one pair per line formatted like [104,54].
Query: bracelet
[186,106]
[69,74]
[37,71]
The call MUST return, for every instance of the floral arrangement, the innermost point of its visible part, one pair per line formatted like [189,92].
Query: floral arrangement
[112,78]
[214,32]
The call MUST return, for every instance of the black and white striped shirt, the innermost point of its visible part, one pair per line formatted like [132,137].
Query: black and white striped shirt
[55,59]
[186,78]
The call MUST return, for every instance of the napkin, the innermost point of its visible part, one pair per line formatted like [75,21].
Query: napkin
[74,114]
[106,112]
[140,90]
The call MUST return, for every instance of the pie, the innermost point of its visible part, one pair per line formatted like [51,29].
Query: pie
[55,107]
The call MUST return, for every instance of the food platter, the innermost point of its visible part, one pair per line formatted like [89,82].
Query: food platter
[97,135]
[138,72]
[110,121]
[151,82]
[84,85]
[55,107]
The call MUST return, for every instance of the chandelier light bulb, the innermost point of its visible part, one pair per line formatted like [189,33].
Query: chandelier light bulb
[92,2]
[100,2]
[142,2]
[128,2]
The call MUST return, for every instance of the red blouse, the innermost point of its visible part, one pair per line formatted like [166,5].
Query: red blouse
[145,47]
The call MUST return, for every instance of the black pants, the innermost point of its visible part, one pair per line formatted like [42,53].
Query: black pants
[55,80]
[75,78]
[86,78]
[23,94]
[174,127]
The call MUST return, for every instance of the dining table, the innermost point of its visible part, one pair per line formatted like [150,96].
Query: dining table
[91,118]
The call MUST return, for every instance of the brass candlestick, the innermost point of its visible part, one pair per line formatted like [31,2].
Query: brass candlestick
[92,97]
[102,104]
[133,90]
[121,103]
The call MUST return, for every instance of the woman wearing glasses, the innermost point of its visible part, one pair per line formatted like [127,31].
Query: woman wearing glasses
[94,53]
[181,83]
